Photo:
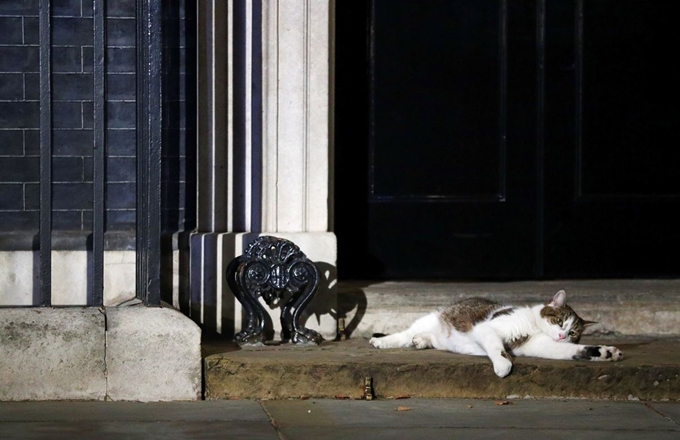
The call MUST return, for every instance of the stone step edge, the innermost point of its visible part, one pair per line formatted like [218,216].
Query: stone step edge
[243,379]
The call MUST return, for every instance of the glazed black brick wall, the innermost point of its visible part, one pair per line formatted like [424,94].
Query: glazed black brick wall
[178,168]
[73,103]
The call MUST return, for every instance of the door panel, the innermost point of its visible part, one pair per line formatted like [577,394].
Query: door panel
[612,184]
[446,197]
[506,139]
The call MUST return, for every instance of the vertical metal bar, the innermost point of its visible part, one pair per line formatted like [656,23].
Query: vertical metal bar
[45,155]
[540,137]
[149,135]
[99,178]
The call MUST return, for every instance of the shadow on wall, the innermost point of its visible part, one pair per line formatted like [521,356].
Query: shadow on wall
[200,290]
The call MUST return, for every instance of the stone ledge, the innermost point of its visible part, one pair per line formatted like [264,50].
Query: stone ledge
[650,371]
[123,353]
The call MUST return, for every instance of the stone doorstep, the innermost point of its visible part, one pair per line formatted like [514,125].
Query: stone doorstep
[623,307]
[339,369]
[642,317]
[86,353]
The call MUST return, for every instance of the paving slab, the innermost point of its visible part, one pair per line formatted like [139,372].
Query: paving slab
[134,420]
[339,419]
[470,419]
[338,369]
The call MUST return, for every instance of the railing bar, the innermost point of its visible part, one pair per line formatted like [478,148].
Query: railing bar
[99,160]
[45,231]
[149,135]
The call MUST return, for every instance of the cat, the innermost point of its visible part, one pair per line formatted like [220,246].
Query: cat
[481,327]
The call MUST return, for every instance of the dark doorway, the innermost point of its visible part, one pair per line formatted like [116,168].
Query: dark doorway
[506,139]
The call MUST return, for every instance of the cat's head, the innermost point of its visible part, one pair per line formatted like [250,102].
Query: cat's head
[560,322]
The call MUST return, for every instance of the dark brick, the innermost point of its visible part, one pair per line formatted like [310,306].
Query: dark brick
[19,169]
[32,196]
[66,8]
[19,220]
[32,86]
[121,169]
[66,60]
[10,30]
[11,197]
[72,196]
[173,195]
[88,114]
[122,142]
[31,30]
[120,32]
[19,7]
[121,8]
[88,59]
[88,8]
[120,195]
[19,115]
[120,60]
[11,86]
[173,169]
[19,59]
[121,115]
[67,115]
[11,142]
[72,32]
[67,220]
[72,87]
[72,142]
[120,220]
[88,169]
[120,87]
[32,142]
[67,169]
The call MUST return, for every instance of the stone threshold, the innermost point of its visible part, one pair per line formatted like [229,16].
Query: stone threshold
[631,307]
[341,370]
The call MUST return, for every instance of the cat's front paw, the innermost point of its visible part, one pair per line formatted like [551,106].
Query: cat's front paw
[602,353]
[502,367]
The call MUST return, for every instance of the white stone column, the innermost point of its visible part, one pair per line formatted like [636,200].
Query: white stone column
[277,183]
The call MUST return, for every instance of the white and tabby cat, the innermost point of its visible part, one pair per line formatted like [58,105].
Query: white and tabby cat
[481,327]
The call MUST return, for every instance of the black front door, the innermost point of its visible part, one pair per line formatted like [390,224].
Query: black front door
[506,139]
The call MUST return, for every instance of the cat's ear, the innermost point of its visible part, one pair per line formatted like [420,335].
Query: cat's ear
[587,323]
[559,300]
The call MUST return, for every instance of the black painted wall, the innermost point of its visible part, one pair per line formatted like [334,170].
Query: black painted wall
[72,94]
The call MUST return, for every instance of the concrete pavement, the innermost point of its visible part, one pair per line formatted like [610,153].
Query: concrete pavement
[393,419]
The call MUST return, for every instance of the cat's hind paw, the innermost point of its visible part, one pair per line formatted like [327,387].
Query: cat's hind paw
[377,343]
[422,342]
[601,353]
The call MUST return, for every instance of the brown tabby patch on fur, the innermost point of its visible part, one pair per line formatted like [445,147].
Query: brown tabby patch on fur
[465,314]
[515,343]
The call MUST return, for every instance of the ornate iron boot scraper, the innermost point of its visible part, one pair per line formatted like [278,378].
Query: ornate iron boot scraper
[275,269]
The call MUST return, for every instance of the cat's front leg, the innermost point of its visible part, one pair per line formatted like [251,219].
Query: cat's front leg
[598,353]
[492,343]
[542,346]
